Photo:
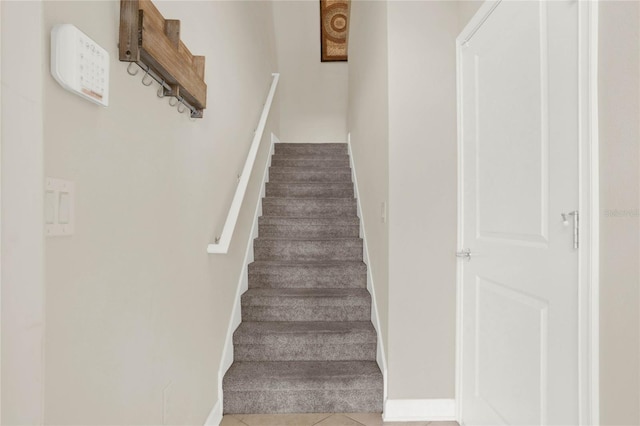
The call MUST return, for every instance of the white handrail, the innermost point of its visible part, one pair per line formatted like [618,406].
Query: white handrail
[221,245]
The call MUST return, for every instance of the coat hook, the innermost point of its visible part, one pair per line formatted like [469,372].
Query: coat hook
[173,104]
[129,69]
[160,92]
[181,107]
[145,76]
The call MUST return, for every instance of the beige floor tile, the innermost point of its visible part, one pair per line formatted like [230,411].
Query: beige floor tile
[367,419]
[282,419]
[231,421]
[338,420]
[348,419]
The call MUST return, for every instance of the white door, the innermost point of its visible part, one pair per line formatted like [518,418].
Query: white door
[519,105]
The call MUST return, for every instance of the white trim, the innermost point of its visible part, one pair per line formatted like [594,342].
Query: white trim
[375,318]
[589,253]
[221,245]
[476,21]
[215,416]
[460,239]
[243,280]
[1,112]
[423,410]
[588,363]
[465,36]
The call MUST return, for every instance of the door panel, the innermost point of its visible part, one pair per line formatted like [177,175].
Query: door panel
[519,110]
[512,160]
[511,330]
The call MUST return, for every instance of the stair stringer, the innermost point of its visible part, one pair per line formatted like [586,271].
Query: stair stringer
[375,319]
[242,286]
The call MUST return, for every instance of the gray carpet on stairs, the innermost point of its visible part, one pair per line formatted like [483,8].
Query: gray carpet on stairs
[306,343]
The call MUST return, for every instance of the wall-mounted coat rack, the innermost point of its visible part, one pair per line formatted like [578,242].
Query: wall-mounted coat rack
[153,43]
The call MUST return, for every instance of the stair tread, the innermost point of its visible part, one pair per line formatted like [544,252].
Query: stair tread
[330,155]
[294,333]
[317,190]
[309,162]
[284,182]
[306,239]
[309,169]
[319,263]
[355,239]
[310,220]
[320,330]
[327,154]
[297,200]
[302,375]
[318,146]
[346,184]
[313,293]
[313,144]
[336,144]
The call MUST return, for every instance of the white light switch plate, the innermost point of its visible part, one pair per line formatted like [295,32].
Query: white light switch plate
[59,206]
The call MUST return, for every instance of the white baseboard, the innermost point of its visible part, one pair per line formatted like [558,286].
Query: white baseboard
[375,319]
[215,416]
[424,410]
[242,286]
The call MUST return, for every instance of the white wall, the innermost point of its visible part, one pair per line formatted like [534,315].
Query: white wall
[313,94]
[22,215]
[466,10]
[619,96]
[369,128]
[405,86]
[137,311]
[422,198]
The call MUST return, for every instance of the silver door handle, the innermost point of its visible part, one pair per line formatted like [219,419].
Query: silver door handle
[576,226]
[464,254]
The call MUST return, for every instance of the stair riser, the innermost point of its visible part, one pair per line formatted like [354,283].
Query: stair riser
[310,208]
[335,190]
[306,313]
[283,161]
[307,251]
[308,279]
[367,400]
[307,149]
[310,175]
[322,352]
[309,231]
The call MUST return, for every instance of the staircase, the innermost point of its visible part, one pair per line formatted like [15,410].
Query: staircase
[306,343]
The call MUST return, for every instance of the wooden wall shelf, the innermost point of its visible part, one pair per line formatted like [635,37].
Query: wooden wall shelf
[153,42]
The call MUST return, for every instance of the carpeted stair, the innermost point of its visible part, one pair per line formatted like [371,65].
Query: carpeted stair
[306,343]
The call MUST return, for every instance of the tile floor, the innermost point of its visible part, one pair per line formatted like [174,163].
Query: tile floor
[349,419]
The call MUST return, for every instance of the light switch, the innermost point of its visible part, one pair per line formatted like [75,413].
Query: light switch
[49,207]
[64,208]
[59,201]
